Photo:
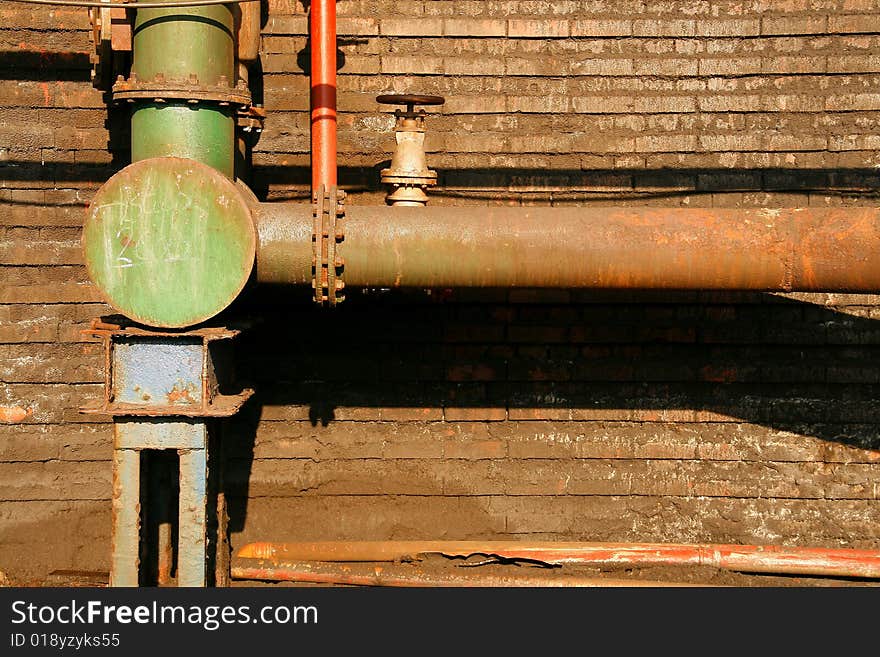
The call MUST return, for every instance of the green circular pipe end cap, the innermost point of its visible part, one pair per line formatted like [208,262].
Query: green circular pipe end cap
[170,242]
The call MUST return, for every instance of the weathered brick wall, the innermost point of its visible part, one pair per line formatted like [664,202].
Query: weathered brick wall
[563,414]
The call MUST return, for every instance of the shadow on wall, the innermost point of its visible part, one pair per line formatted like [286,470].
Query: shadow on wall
[559,355]
[585,185]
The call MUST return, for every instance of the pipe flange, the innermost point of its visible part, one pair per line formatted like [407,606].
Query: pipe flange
[159,90]
[426,178]
[327,232]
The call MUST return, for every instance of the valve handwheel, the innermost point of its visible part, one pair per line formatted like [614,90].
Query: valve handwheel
[410,100]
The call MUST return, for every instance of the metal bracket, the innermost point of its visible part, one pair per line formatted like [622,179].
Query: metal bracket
[111,37]
[328,230]
[186,388]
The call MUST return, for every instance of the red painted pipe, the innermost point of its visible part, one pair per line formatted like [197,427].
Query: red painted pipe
[769,559]
[323,93]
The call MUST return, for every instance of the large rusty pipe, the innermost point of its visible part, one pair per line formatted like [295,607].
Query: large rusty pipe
[415,575]
[615,248]
[323,92]
[768,559]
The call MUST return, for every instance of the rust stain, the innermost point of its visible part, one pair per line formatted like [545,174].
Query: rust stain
[181,395]
[12,414]
[46,97]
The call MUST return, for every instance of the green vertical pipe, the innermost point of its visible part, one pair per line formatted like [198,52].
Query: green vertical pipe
[176,44]
[200,132]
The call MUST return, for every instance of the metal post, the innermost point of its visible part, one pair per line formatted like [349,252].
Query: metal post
[126,521]
[162,389]
[191,563]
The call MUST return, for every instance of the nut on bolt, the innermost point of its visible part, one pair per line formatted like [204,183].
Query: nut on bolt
[409,175]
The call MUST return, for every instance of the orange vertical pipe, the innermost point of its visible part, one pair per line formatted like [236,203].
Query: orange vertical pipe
[323,92]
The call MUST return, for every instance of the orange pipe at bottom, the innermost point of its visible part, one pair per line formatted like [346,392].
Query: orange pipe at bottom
[769,559]
[414,575]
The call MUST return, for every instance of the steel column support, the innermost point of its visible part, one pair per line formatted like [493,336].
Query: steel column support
[126,518]
[192,533]
[162,389]
[770,559]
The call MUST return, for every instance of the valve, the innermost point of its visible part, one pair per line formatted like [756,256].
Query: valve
[409,175]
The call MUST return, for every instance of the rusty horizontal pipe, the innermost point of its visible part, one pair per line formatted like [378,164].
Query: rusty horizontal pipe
[831,250]
[415,575]
[768,559]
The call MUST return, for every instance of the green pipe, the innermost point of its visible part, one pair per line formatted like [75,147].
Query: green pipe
[192,45]
[177,129]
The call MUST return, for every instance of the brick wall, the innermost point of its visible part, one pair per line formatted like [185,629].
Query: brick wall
[561,414]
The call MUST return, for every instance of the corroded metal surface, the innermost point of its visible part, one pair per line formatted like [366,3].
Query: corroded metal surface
[169,242]
[408,175]
[327,233]
[285,250]
[191,546]
[126,508]
[181,55]
[160,433]
[771,559]
[809,250]
[416,575]
[152,372]
[204,132]
[175,378]
[142,375]
[177,42]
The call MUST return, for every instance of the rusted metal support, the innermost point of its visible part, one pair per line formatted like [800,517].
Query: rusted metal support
[126,518]
[162,389]
[768,559]
[830,250]
[192,534]
[163,373]
[416,575]
[323,93]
